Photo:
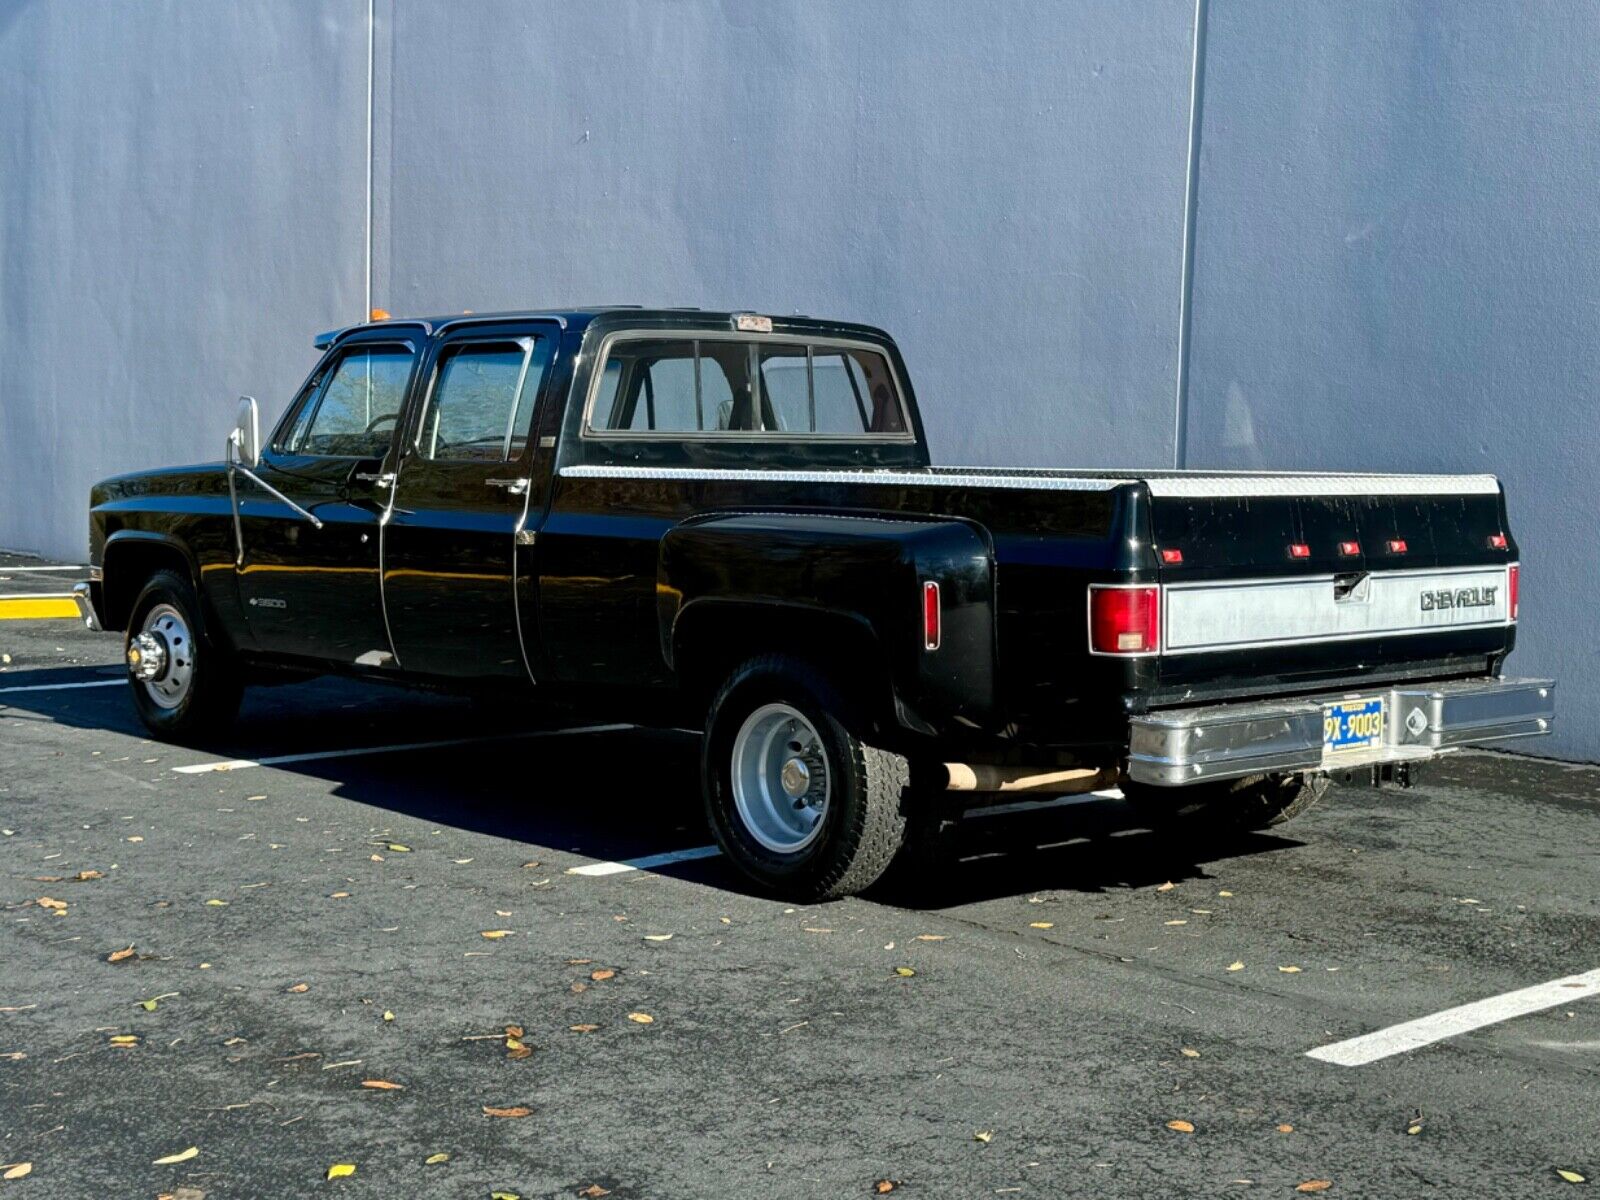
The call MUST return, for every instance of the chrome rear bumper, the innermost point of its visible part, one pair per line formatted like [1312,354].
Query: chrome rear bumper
[1225,741]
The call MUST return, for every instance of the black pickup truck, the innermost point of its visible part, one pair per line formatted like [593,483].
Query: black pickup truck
[729,521]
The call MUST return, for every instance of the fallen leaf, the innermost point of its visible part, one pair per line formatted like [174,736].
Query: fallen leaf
[595,1191]
[884,1186]
[47,879]
[658,937]
[493,934]
[383,1085]
[17,1170]
[517,1050]
[14,1056]
[1569,1176]
[136,838]
[216,904]
[1224,893]
[298,988]
[983,1135]
[1414,1129]
[929,937]
[119,955]
[387,1015]
[85,876]
[340,1170]
[461,862]
[375,858]
[1290,970]
[149,1005]
[397,848]
[1041,924]
[1190,1052]
[1236,966]
[1315,1185]
[1178,922]
[435,1159]
[514,1031]
[124,1039]
[181,1156]
[47,902]
[339,896]
[260,797]
[904,972]
[517,1110]
[583,1028]
[601,975]
[530,865]
[1180,1126]
[504,1196]
[1285,1128]
[641,1018]
[1167,886]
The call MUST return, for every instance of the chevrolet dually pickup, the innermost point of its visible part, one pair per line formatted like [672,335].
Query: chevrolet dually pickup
[730,522]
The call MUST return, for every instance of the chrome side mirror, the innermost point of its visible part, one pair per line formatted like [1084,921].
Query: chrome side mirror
[246,435]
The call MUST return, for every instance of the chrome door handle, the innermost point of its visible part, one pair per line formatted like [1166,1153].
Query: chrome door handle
[515,486]
[381,478]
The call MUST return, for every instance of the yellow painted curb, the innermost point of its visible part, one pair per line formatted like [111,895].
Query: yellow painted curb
[37,608]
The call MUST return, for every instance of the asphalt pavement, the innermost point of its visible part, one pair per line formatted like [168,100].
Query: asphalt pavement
[262,972]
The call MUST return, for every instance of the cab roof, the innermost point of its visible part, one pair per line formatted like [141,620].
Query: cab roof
[613,315]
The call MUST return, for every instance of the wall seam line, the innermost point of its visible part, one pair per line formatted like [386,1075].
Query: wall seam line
[1180,400]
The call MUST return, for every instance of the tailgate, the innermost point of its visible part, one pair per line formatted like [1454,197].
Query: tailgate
[1282,581]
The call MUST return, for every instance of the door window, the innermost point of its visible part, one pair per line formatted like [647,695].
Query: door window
[483,400]
[355,413]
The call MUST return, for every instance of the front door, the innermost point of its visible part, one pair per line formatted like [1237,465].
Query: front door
[451,555]
[314,592]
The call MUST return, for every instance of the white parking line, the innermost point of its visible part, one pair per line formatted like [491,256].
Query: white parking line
[10,570]
[244,764]
[1019,806]
[1397,1039]
[648,863]
[56,687]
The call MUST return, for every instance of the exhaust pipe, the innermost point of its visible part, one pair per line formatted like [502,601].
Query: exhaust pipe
[982,777]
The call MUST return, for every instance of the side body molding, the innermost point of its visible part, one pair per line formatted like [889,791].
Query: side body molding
[861,575]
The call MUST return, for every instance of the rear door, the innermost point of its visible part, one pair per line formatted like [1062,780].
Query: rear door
[451,552]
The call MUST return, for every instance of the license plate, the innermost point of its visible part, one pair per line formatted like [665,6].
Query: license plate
[1352,724]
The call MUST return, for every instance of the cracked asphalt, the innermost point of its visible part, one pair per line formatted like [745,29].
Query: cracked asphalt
[1027,1024]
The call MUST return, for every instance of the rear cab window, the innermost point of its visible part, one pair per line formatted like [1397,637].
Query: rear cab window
[794,388]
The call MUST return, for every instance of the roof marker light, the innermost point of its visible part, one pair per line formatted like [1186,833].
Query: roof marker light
[751,323]
[1172,557]
[1299,550]
[1497,541]
[1349,549]
[379,314]
[1397,545]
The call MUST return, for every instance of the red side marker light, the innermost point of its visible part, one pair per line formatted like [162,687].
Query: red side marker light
[1513,582]
[1349,549]
[1124,620]
[1299,550]
[1497,541]
[931,616]
[1172,558]
[1397,545]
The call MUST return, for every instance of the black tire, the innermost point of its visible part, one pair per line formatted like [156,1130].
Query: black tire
[1249,804]
[863,825]
[211,700]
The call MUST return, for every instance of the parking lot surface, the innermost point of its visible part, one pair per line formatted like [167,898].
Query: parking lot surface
[311,957]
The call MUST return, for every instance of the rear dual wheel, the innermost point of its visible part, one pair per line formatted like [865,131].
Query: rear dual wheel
[796,799]
[1252,803]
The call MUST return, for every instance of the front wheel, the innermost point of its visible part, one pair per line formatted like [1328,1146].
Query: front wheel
[184,685]
[1252,803]
[796,800]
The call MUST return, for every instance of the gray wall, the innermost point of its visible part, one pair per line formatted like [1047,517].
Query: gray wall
[1390,261]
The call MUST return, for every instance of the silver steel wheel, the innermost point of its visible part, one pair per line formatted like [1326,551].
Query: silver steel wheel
[161,656]
[780,778]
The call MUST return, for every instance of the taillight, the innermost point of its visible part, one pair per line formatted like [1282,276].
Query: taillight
[1349,549]
[1299,550]
[1497,541]
[1172,557]
[1397,545]
[1124,620]
[931,616]
[1513,578]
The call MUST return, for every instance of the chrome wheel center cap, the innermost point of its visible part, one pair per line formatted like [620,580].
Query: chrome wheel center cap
[795,777]
[147,657]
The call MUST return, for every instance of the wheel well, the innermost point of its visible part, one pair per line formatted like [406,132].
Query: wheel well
[710,639]
[128,565]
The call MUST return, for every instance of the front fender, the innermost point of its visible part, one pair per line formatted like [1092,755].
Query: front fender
[866,569]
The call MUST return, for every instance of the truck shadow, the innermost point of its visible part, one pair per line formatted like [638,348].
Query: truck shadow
[618,795]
